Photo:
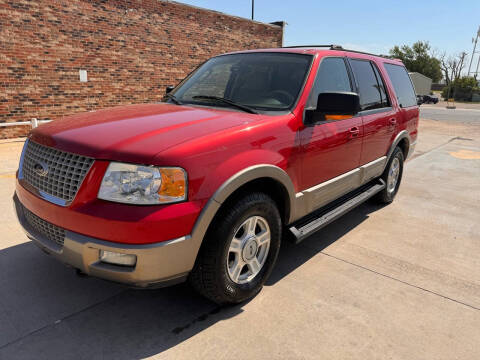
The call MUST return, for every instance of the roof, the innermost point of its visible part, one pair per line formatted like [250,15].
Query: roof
[324,50]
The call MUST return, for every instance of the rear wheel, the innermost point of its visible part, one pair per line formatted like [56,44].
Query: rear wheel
[239,251]
[392,177]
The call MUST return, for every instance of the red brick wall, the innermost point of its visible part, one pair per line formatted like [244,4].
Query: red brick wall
[131,50]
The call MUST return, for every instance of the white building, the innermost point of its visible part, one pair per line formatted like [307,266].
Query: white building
[422,83]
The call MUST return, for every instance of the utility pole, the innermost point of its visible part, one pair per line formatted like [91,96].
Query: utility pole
[478,63]
[253,10]
[473,54]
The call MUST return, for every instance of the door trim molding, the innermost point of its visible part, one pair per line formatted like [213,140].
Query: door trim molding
[320,195]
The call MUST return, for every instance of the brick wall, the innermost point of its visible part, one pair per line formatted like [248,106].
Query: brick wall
[131,50]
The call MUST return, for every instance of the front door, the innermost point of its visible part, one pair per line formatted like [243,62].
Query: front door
[331,148]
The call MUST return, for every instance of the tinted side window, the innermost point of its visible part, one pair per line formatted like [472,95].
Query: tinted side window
[368,87]
[331,76]
[381,87]
[402,85]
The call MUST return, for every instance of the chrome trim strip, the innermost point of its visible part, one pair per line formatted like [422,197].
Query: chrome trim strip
[22,156]
[41,194]
[373,169]
[375,111]
[320,195]
[52,199]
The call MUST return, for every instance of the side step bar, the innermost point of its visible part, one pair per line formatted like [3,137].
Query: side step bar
[319,219]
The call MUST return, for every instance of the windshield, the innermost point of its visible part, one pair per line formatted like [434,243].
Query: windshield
[260,81]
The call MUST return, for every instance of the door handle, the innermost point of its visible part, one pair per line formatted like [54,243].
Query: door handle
[354,131]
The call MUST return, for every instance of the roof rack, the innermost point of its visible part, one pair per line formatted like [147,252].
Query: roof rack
[367,53]
[338,47]
[331,46]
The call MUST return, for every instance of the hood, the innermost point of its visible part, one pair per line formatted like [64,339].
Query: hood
[135,133]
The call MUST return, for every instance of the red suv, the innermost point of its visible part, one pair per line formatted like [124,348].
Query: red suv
[249,148]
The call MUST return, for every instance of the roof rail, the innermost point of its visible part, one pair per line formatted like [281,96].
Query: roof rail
[339,47]
[331,46]
[367,53]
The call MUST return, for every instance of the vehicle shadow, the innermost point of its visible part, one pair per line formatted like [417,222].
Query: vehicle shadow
[293,255]
[47,312]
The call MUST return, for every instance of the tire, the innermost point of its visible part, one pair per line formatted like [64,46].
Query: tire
[229,243]
[387,195]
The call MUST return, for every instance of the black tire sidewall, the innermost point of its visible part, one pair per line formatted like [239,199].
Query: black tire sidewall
[397,153]
[239,292]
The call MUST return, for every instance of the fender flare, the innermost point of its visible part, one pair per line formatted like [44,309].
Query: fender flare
[400,136]
[251,173]
[228,187]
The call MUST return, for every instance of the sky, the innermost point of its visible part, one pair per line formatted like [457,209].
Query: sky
[365,25]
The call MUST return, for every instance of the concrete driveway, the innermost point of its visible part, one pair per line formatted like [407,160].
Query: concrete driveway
[394,282]
[468,116]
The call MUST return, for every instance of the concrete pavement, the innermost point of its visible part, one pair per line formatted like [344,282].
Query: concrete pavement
[468,116]
[399,282]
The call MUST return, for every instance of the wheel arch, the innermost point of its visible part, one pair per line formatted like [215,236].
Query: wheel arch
[403,141]
[269,186]
[259,177]
[265,177]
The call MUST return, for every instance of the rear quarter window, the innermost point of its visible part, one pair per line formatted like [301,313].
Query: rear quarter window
[402,85]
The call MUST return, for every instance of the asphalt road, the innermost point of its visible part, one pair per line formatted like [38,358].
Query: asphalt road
[394,282]
[459,115]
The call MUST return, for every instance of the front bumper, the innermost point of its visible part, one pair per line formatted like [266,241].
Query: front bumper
[158,264]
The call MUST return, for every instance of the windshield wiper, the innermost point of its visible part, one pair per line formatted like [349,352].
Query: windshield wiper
[226,101]
[174,99]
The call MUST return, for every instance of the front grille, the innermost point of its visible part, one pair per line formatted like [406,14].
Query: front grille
[50,231]
[54,172]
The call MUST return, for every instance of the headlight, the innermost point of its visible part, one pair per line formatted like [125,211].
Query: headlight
[139,184]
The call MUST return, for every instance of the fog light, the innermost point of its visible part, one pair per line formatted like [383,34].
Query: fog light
[115,258]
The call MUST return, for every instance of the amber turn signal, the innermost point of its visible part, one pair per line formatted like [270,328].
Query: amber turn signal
[173,183]
[337,117]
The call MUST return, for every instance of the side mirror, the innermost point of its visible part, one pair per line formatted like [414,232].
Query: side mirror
[419,100]
[169,89]
[337,104]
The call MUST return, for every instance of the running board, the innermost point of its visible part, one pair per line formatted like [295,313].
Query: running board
[319,219]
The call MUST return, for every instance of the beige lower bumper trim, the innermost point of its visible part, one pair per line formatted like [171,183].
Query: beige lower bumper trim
[157,264]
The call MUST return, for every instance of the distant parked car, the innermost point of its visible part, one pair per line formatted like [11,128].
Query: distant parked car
[429,99]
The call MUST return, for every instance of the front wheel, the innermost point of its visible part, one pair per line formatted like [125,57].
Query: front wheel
[239,251]
[392,177]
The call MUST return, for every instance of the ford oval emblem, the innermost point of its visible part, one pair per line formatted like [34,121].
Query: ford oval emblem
[41,169]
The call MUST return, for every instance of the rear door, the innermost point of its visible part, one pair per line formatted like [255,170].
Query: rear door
[378,117]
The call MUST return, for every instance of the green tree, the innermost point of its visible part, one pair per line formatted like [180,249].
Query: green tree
[461,89]
[418,58]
